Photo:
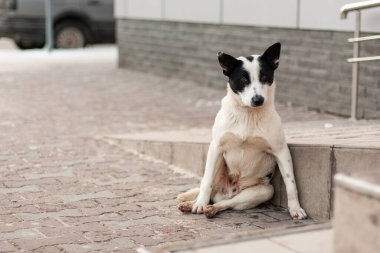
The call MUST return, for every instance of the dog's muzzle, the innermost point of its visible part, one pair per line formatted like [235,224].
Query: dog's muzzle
[257,101]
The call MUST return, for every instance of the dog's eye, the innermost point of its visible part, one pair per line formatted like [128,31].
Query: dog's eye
[243,79]
[263,79]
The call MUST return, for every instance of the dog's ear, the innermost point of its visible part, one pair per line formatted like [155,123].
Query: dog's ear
[272,55]
[228,63]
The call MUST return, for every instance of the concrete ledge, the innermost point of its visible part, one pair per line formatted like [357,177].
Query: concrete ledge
[314,165]
[357,213]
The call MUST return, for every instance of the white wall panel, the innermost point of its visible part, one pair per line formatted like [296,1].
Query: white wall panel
[207,11]
[120,8]
[324,15]
[278,13]
[144,9]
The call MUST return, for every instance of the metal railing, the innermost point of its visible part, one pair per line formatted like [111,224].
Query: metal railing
[49,37]
[357,7]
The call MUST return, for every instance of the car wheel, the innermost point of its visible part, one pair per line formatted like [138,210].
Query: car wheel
[70,34]
[23,44]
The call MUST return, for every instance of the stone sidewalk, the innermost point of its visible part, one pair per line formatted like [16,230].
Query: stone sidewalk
[62,191]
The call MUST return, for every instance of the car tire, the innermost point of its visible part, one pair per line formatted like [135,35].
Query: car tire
[71,34]
[24,45]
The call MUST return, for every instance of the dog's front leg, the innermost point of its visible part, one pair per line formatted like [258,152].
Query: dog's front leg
[285,164]
[213,159]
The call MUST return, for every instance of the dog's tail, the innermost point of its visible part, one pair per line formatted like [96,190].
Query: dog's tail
[189,195]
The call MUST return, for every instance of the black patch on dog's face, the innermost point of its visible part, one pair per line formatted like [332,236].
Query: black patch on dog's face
[249,58]
[239,79]
[268,63]
[266,72]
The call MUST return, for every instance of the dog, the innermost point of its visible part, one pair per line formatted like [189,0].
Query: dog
[247,142]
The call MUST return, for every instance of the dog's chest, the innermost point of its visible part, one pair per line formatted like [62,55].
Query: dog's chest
[230,140]
[245,154]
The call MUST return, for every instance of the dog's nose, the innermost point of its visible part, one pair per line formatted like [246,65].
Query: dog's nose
[257,100]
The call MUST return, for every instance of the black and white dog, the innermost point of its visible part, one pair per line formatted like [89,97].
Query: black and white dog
[247,142]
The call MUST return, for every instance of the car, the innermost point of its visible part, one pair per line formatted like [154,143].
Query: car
[76,23]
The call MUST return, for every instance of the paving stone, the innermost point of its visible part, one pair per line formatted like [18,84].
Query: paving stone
[146,241]
[284,224]
[10,226]
[114,244]
[48,249]
[98,195]
[23,182]
[92,160]
[7,247]
[100,236]
[278,215]
[83,204]
[114,209]
[97,218]
[57,231]
[64,173]
[22,233]
[39,216]
[141,230]
[33,244]
[18,208]
[158,203]
[28,188]
[144,221]
[114,181]
[9,218]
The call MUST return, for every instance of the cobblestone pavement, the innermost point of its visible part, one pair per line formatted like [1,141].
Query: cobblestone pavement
[62,191]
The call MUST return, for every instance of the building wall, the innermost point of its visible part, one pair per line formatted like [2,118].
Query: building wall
[180,39]
[303,14]
[313,69]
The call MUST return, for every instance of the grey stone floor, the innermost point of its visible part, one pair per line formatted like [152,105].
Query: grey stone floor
[62,191]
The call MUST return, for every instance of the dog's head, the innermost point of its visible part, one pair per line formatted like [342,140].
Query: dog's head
[250,77]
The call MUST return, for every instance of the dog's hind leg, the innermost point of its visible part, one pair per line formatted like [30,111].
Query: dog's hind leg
[248,198]
[188,196]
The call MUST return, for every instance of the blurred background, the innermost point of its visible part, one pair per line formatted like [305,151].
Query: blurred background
[101,77]
[179,39]
[76,23]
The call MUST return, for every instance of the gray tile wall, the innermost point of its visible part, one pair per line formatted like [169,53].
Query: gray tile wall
[313,69]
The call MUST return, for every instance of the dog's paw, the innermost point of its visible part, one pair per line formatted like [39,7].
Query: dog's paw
[185,207]
[210,211]
[297,213]
[199,205]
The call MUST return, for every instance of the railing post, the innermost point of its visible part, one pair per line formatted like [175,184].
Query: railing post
[355,69]
[48,25]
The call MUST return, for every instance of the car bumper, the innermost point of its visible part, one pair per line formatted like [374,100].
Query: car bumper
[15,27]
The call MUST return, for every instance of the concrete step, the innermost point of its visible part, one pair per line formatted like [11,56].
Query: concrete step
[315,161]
[310,239]
[357,213]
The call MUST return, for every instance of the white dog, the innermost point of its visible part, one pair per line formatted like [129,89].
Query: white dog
[247,141]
